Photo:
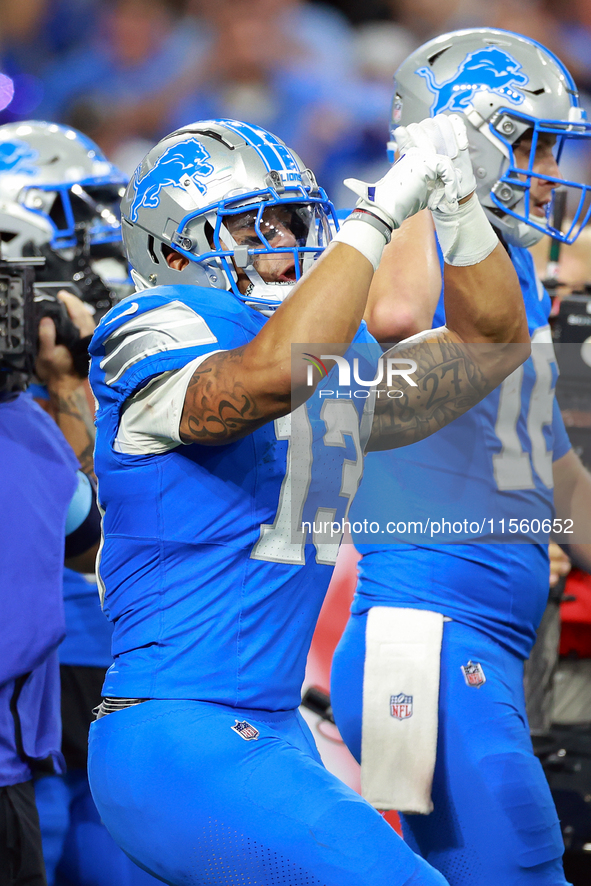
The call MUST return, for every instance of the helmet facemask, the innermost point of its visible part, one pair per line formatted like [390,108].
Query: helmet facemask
[271,247]
[515,192]
[262,243]
[86,210]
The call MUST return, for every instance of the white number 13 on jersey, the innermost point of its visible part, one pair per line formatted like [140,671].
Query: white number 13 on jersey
[284,540]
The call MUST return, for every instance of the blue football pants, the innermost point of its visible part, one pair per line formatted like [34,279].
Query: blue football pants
[193,802]
[494,822]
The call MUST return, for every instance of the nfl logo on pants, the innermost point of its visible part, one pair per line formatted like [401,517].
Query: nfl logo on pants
[473,674]
[401,706]
[245,730]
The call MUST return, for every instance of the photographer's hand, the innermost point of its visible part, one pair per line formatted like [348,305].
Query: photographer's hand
[69,403]
[79,313]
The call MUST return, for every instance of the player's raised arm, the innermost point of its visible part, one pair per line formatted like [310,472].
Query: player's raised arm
[234,392]
[231,215]
[486,336]
[406,287]
[572,498]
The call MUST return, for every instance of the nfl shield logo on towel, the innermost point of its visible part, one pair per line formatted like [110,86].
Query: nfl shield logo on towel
[473,674]
[245,730]
[401,706]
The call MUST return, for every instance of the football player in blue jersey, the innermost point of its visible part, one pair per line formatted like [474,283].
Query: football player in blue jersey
[427,681]
[199,762]
[44,501]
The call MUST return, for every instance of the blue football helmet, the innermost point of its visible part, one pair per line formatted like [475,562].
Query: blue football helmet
[228,196]
[506,87]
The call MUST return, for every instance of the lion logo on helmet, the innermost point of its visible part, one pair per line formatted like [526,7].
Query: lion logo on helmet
[17,157]
[182,161]
[490,69]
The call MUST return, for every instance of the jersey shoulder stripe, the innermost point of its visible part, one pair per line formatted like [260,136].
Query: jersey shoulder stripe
[168,327]
[164,329]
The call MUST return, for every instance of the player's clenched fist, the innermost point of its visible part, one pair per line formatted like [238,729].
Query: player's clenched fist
[444,135]
[463,230]
[430,174]
[419,179]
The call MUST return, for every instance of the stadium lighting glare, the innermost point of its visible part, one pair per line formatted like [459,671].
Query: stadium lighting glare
[6,91]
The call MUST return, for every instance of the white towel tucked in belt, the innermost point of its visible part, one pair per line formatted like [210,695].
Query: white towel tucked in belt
[400,703]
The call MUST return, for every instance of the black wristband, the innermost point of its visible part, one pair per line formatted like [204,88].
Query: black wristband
[374,220]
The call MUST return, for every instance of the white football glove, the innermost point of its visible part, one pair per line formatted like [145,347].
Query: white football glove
[464,232]
[419,179]
[444,135]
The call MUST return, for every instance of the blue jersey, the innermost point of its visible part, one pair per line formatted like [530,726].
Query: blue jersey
[211,594]
[465,484]
[88,633]
[38,482]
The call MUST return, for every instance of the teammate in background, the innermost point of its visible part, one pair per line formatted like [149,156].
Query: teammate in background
[199,762]
[427,681]
[59,198]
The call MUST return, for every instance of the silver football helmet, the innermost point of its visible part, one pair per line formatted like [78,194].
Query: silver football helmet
[227,196]
[59,174]
[59,198]
[506,86]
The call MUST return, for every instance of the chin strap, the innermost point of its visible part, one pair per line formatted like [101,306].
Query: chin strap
[528,236]
[258,295]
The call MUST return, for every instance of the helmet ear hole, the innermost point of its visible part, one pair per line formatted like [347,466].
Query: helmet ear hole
[167,251]
[174,259]
[208,231]
[152,251]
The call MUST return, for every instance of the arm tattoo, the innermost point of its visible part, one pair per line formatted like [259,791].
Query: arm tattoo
[74,406]
[219,408]
[450,380]
[71,413]
[86,459]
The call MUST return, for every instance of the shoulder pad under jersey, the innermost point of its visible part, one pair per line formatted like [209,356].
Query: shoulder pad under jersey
[163,329]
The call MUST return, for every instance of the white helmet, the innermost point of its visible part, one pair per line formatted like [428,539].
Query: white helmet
[193,189]
[504,85]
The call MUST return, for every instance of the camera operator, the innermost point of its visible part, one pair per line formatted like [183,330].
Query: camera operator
[59,199]
[44,500]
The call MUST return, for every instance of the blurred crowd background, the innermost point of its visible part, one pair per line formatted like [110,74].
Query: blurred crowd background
[126,72]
